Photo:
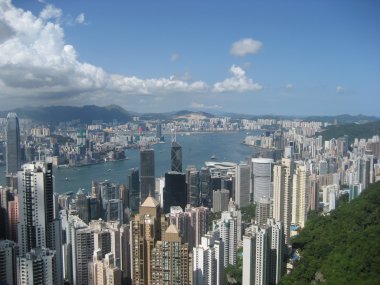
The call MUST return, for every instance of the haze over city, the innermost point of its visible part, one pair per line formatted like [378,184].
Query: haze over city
[288,58]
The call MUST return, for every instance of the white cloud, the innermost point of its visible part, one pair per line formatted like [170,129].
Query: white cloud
[36,62]
[174,57]
[196,105]
[339,89]
[239,82]
[289,86]
[80,19]
[50,12]
[245,46]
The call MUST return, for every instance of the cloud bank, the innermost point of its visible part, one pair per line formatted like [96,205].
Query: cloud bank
[37,63]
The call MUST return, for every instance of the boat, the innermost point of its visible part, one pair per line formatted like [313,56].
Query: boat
[67,179]
[213,156]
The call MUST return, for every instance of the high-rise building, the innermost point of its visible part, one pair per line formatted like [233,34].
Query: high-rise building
[13,216]
[208,260]
[37,267]
[13,154]
[5,196]
[8,262]
[170,259]
[35,205]
[134,189]
[193,187]
[176,157]
[282,194]
[242,185]
[220,200]
[263,253]
[147,176]
[175,190]
[227,227]
[301,192]
[264,211]
[145,232]
[104,270]
[262,178]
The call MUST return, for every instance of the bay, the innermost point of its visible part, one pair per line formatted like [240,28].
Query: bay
[196,149]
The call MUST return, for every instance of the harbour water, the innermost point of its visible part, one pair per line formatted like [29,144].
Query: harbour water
[196,149]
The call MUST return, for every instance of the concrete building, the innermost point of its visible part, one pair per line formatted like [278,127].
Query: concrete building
[243,185]
[301,192]
[104,270]
[262,178]
[8,267]
[36,267]
[282,194]
[220,200]
[145,232]
[171,263]
[208,260]
[264,211]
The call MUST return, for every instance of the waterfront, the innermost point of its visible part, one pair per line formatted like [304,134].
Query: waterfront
[196,149]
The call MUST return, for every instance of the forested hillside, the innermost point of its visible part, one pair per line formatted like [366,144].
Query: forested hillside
[343,248]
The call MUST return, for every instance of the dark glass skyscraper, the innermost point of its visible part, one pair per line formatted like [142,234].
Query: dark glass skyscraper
[147,178]
[175,190]
[176,157]
[134,189]
[13,157]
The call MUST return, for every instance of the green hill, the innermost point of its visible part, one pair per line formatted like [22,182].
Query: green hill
[343,248]
[353,131]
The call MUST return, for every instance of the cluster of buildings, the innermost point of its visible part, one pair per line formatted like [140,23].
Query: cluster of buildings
[157,230]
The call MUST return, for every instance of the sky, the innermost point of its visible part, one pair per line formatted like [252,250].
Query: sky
[255,57]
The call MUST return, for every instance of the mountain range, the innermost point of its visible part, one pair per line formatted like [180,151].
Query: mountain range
[89,113]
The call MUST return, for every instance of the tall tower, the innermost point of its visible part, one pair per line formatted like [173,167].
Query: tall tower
[301,192]
[35,183]
[147,176]
[261,178]
[264,210]
[134,189]
[37,227]
[13,156]
[242,185]
[193,187]
[145,232]
[282,194]
[176,157]
[170,259]
[175,190]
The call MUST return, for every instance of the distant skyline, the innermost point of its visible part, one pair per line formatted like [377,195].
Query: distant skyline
[262,57]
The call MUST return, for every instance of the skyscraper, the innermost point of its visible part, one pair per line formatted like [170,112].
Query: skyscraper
[193,188]
[264,210]
[262,178]
[208,261]
[37,267]
[282,194]
[134,189]
[242,185]
[301,192]
[7,262]
[37,226]
[174,190]
[145,232]
[13,156]
[176,157]
[147,176]
[170,259]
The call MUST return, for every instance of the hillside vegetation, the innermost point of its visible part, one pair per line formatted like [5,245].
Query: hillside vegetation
[343,248]
[352,130]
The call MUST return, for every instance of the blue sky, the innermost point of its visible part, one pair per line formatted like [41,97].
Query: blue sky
[256,57]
